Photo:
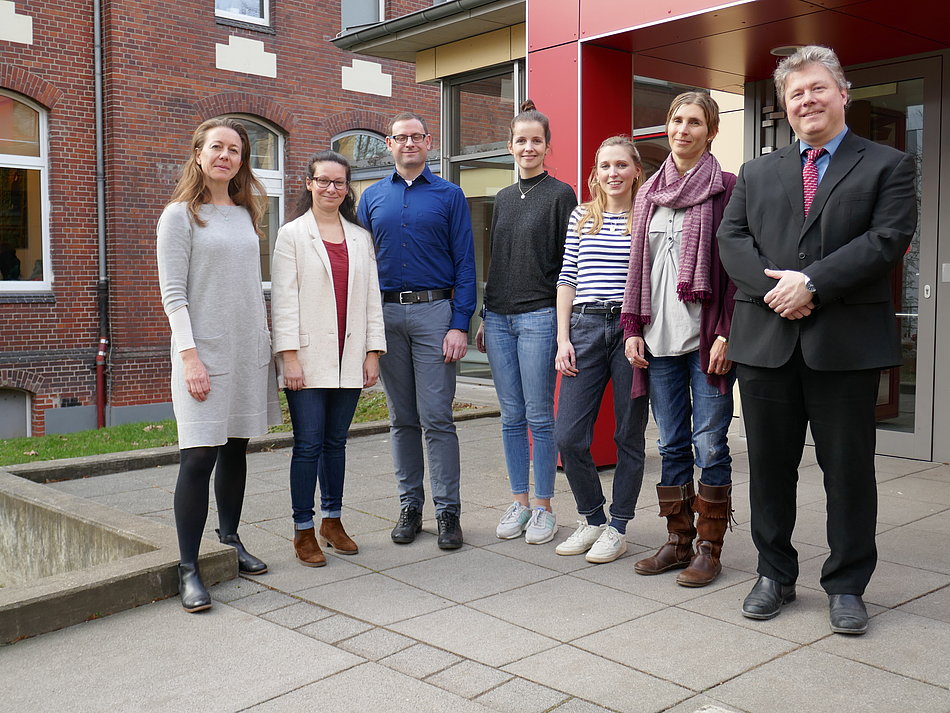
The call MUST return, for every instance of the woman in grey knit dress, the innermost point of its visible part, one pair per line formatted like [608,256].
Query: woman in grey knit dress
[209,272]
[520,324]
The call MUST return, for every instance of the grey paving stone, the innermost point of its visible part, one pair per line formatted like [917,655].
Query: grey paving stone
[288,575]
[376,598]
[468,678]
[837,685]
[576,705]
[904,466]
[266,506]
[334,628]
[923,549]
[101,485]
[479,524]
[935,523]
[376,644]
[667,638]
[379,553]
[922,489]
[474,635]
[891,585]
[420,660]
[137,502]
[159,658]
[297,615]
[263,602]
[566,607]
[541,555]
[521,696]
[370,687]
[900,642]
[935,605]
[236,588]
[702,704]
[599,680]
[469,574]
[893,510]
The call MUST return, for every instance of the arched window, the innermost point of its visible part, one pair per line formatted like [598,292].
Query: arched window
[24,197]
[267,163]
[366,151]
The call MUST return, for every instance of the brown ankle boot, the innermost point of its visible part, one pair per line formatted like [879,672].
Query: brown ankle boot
[713,507]
[676,505]
[307,549]
[333,534]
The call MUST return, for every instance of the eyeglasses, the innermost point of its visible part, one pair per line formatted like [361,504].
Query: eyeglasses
[403,138]
[325,182]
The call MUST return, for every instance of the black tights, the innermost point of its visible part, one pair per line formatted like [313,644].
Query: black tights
[229,463]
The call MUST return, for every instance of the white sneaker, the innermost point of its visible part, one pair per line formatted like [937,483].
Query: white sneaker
[541,527]
[582,540]
[609,546]
[513,522]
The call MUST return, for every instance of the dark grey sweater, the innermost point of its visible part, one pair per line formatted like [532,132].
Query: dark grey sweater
[527,244]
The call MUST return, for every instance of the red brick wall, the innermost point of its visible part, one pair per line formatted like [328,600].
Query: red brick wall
[161,81]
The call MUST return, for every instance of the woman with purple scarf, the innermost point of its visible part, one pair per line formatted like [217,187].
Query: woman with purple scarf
[676,314]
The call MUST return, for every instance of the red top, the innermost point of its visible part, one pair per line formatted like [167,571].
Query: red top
[339,271]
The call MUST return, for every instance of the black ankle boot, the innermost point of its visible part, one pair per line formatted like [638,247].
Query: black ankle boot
[247,563]
[194,596]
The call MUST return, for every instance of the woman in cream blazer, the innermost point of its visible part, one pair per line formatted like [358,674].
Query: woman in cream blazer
[328,331]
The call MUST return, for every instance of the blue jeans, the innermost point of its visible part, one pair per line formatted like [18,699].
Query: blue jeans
[598,346]
[420,388]
[693,419]
[521,350]
[321,420]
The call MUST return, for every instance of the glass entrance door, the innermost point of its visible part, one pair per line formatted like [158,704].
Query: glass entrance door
[898,105]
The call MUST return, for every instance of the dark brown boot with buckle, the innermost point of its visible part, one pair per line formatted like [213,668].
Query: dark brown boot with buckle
[713,508]
[333,535]
[676,505]
[308,551]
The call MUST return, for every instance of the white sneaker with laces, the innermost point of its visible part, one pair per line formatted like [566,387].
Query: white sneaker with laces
[513,522]
[581,540]
[609,546]
[541,527]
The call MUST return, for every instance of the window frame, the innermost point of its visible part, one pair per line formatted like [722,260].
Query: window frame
[263,21]
[40,163]
[380,16]
[369,173]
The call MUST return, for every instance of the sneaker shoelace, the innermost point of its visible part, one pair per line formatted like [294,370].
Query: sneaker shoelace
[537,518]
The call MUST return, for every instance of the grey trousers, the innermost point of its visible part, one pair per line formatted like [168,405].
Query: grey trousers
[420,388]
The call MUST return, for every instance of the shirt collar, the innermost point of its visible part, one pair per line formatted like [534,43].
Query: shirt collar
[426,176]
[830,147]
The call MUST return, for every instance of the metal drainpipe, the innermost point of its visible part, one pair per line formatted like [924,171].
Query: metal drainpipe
[102,286]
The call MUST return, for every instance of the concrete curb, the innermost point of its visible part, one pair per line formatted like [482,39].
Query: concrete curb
[73,468]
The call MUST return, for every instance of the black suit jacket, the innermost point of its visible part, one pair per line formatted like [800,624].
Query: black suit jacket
[861,221]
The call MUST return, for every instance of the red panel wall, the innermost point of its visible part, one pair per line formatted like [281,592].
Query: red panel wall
[552,22]
[552,84]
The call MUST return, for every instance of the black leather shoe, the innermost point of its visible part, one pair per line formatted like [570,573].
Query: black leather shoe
[409,525]
[766,599]
[450,531]
[247,563]
[194,596]
[848,614]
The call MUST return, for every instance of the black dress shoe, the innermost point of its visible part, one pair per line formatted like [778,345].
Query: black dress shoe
[409,525]
[766,599]
[848,614]
[247,563]
[450,531]
[194,596]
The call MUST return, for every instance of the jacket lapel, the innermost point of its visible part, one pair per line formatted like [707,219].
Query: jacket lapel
[316,240]
[849,153]
[790,175]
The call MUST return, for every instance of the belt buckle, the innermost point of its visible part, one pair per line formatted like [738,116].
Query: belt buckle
[402,301]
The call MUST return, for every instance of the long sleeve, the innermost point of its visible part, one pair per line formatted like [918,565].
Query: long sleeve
[285,300]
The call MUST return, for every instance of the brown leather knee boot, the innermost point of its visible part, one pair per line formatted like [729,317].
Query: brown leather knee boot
[713,508]
[676,505]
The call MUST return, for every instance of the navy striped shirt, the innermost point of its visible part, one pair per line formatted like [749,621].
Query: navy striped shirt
[596,264]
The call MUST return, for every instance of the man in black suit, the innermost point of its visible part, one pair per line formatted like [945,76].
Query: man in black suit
[809,239]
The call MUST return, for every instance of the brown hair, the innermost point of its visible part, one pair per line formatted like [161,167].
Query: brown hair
[703,101]
[406,116]
[244,189]
[527,112]
[593,210]
[305,199]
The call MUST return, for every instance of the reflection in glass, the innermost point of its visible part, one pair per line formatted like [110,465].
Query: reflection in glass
[264,145]
[484,109]
[19,128]
[241,8]
[363,150]
[269,225]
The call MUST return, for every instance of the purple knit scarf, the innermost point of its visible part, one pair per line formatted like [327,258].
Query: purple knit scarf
[668,188]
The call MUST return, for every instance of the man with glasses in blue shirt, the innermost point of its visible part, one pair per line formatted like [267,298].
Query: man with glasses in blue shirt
[426,261]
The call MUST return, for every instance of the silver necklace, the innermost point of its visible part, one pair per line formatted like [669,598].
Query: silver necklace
[224,214]
[524,193]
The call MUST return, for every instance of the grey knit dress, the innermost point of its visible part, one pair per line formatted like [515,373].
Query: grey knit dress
[215,271]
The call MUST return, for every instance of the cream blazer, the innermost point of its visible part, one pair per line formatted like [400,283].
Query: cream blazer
[303,307]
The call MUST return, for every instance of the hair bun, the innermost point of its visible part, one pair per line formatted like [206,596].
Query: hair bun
[528,105]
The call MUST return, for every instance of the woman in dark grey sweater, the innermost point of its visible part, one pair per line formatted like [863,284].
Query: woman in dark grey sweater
[519,327]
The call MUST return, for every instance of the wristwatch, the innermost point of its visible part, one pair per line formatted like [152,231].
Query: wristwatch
[809,285]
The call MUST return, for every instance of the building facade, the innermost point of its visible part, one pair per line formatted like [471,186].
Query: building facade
[78,206]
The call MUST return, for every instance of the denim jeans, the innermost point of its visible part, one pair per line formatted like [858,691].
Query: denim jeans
[693,419]
[420,388]
[598,346]
[521,350]
[321,420]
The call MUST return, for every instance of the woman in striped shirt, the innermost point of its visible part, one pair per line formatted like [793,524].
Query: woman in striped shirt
[590,353]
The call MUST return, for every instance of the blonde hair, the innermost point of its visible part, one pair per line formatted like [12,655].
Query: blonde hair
[593,210]
[797,62]
[244,189]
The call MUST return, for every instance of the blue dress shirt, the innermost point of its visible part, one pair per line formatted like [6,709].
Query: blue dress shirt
[822,163]
[423,237]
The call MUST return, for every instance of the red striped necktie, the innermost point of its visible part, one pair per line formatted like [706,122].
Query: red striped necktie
[810,177]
